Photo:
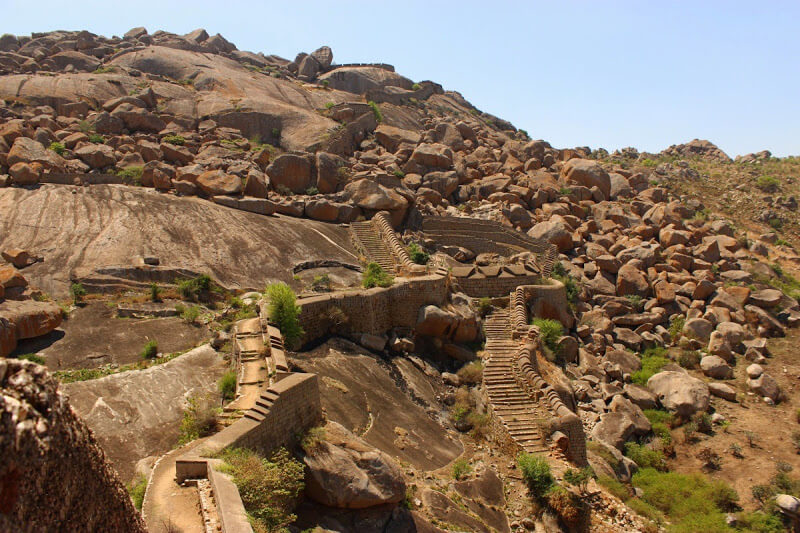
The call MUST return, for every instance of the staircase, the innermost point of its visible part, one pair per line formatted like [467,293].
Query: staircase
[367,238]
[251,347]
[518,412]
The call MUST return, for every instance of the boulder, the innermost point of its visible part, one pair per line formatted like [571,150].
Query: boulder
[766,298]
[345,472]
[721,390]
[25,150]
[698,328]
[292,171]
[680,393]
[433,156]
[435,322]
[631,281]
[96,155]
[257,184]
[391,137]
[217,182]
[765,386]
[324,56]
[11,278]
[555,231]
[25,174]
[368,194]
[19,258]
[716,367]
[614,428]
[138,119]
[329,174]
[587,173]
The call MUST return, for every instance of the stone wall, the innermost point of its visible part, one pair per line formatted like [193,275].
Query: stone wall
[53,474]
[372,310]
[494,287]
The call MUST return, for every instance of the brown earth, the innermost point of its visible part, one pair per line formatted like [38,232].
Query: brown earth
[93,336]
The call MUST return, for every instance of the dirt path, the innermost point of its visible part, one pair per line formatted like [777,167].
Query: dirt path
[169,504]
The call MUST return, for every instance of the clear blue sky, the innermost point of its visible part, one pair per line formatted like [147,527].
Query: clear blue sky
[594,73]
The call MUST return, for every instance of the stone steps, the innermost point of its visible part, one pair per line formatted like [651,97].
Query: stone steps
[369,237]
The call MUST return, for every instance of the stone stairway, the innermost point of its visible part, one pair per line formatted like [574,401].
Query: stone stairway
[367,238]
[511,403]
[251,346]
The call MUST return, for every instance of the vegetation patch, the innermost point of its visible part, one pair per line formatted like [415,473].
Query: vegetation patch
[269,488]
[550,331]
[284,312]
[375,276]
[417,254]
[653,360]
[136,489]
[227,385]
[199,420]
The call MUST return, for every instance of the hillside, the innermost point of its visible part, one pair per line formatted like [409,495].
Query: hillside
[448,325]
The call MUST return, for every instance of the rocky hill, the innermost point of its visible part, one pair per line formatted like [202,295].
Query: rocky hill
[629,312]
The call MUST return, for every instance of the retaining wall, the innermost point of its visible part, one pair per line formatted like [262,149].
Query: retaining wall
[370,310]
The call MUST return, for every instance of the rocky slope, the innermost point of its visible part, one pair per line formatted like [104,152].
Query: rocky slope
[205,159]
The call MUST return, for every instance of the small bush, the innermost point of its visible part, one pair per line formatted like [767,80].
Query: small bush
[283,190]
[84,126]
[325,83]
[321,283]
[189,314]
[471,373]
[104,70]
[150,350]
[177,140]
[689,359]
[312,438]
[96,138]
[759,522]
[416,87]
[645,456]
[399,174]
[710,458]
[461,469]
[676,326]
[57,147]
[199,420]
[417,254]
[78,292]
[653,359]
[269,488]
[284,312]
[312,191]
[536,473]
[579,478]
[376,111]
[195,289]
[484,306]
[375,276]
[550,331]
[136,490]
[329,105]
[768,183]
[690,432]
[132,174]
[227,385]
[155,292]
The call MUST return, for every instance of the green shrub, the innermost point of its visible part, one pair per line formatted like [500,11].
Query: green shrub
[676,326]
[84,126]
[653,360]
[57,147]
[177,140]
[268,488]
[132,174]
[689,359]
[571,286]
[535,472]
[155,292]
[136,490]
[190,314]
[461,469]
[312,191]
[417,254]
[150,350]
[283,190]
[376,111]
[321,283]
[78,292]
[579,478]
[284,312]
[199,420]
[104,70]
[312,438]
[329,105]
[767,183]
[691,502]
[227,385]
[636,301]
[550,331]
[375,276]
[614,486]
[565,504]
[416,87]
[33,358]
[195,288]
[661,422]
[399,174]
[759,522]
[646,457]
[484,306]
[96,138]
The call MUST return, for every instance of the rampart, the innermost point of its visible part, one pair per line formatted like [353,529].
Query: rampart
[373,310]
[494,281]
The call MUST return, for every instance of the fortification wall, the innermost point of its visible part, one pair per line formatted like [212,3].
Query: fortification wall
[372,310]
[494,287]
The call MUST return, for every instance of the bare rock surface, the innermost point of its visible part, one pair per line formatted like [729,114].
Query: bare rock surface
[137,413]
[107,225]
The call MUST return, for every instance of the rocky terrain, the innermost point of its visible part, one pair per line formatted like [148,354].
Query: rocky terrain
[151,186]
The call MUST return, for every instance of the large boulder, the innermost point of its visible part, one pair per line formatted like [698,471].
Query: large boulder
[368,194]
[138,119]
[217,182]
[433,156]
[555,231]
[614,428]
[391,137]
[25,150]
[292,171]
[631,281]
[345,472]
[680,393]
[96,155]
[26,319]
[435,322]
[715,367]
[587,173]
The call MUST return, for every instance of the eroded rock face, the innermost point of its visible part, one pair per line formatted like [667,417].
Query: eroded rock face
[346,472]
[587,173]
[54,475]
[25,319]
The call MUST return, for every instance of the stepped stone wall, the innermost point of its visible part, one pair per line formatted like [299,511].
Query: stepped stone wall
[372,310]
[53,474]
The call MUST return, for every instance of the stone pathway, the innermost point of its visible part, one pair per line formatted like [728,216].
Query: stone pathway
[251,346]
[511,403]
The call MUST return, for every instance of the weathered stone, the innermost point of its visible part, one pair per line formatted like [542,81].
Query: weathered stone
[555,231]
[587,173]
[217,182]
[716,367]
[96,155]
[292,171]
[679,392]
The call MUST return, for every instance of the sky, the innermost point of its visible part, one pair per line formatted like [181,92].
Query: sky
[607,74]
